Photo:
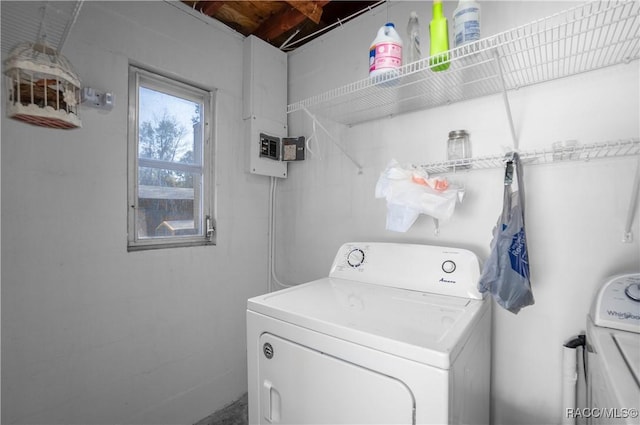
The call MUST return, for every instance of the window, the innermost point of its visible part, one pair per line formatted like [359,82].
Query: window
[170,163]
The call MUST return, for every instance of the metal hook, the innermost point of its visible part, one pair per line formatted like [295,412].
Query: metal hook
[508,172]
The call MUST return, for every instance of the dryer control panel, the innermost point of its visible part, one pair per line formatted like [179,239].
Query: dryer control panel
[425,268]
[617,304]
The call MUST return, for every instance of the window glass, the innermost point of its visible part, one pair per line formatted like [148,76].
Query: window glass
[169,189]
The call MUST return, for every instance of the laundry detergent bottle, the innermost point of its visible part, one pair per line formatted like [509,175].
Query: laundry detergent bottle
[466,23]
[385,53]
[439,39]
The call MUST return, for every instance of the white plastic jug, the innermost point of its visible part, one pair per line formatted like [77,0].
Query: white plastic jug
[466,22]
[385,53]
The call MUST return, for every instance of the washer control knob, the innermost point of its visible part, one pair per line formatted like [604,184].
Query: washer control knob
[448,266]
[355,257]
[633,291]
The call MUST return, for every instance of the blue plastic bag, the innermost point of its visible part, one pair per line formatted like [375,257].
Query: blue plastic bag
[505,274]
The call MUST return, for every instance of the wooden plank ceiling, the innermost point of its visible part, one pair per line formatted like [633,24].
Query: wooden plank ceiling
[280,22]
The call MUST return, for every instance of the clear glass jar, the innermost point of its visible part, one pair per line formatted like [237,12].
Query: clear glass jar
[458,147]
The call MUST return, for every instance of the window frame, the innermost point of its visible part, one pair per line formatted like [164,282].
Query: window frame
[140,77]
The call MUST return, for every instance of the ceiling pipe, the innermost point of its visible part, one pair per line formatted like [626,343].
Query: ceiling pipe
[328,27]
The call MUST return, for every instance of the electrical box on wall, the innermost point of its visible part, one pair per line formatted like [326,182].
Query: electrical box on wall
[293,148]
[265,106]
[97,99]
[285,149]
[265,137]
[270,147]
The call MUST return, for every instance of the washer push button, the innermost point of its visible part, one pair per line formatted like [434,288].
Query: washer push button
[448,266]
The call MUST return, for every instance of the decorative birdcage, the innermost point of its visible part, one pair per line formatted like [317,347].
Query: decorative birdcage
[42,88]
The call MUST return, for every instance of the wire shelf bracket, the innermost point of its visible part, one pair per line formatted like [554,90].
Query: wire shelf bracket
[335,142]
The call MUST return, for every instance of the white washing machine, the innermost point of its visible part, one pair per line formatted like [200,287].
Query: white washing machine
[397,334]
[613,352]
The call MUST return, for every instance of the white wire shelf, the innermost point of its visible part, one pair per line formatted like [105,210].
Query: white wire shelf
[611,149]
[584,38]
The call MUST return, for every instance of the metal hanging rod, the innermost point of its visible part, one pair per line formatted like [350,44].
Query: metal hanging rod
[611,149]
[587,152]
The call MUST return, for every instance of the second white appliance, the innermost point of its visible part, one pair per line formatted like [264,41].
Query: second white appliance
[613,338]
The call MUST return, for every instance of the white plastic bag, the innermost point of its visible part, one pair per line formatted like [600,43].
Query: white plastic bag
[410,192]
[505,274]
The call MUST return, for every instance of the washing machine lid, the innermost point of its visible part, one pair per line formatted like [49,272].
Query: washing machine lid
[629,346]
[617,353]
[419,326]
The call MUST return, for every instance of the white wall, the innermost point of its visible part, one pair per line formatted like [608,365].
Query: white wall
[94,334]
[575,210]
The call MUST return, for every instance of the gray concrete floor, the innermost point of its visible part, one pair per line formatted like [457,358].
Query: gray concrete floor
[234,414]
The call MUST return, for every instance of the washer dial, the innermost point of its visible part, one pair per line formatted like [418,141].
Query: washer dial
[633,291]
[355,257]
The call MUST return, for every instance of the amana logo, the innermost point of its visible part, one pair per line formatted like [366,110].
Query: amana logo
[443,280]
